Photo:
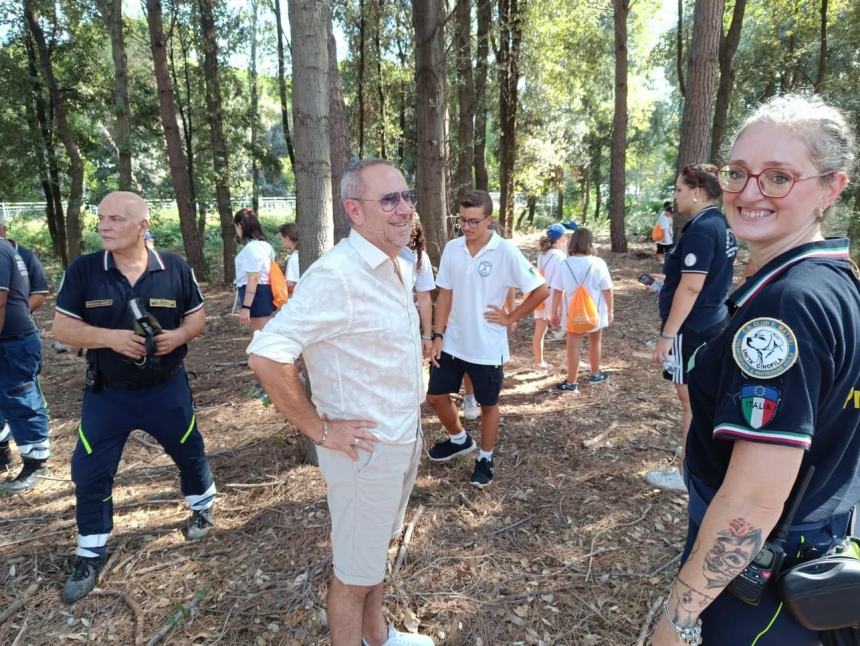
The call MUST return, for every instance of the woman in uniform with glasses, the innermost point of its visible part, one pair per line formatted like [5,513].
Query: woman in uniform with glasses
[698,276]
[778,391]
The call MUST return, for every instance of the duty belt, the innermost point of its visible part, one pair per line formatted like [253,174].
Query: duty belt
[141,384]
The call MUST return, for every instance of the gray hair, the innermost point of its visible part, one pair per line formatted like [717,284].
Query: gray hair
[351,184]
[823,129]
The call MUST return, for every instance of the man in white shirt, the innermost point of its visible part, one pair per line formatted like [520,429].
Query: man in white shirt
[362,349]
[470,328]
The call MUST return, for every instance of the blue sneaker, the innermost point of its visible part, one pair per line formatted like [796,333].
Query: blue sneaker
[599,378]
[568,387]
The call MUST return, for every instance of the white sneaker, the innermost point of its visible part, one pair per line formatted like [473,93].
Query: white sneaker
[470,407]
[557,335]
[396,638]
[543,365]
[668,479]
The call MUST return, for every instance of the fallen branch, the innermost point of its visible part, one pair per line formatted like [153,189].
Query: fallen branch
[668,563]
[131,603]
[627,524]
[178,617]
[148,445]
[468,502]
[649,618]
[521,521]
[18,603]
[407,538]
[33,538]
[251,485]
[20,634]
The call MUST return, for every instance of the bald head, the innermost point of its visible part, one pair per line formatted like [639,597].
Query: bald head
[130,205]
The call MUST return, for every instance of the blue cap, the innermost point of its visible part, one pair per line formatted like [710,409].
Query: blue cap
[148,236]
[554,232]
[570,225]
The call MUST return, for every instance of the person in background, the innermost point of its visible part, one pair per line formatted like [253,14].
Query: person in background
[698,275]
[289,236]
[778,391]
[253,264]
[415,253]
[549,260]
[38,281]
[583,267]
[664,221]
[149,240]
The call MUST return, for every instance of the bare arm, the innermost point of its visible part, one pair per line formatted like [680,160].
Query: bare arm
[36,301]
[557,300]
[4,297]
[75,332]
[682,304]
[444,299]
[192,325]
[535,297]
[738,521]
[425,313]
[610,304]
[281,383]
[250,290]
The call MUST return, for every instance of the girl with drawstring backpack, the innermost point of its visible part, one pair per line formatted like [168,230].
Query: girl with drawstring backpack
[583,280]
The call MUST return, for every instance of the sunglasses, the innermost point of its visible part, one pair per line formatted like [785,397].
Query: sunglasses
[390,201]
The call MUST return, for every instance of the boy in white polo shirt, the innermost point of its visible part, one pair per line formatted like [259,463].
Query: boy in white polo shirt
[470,327]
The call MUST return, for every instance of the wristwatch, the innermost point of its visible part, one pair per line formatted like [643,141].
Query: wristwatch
[436,335]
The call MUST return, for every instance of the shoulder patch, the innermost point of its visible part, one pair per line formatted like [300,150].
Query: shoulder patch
[759,404]
[764,348]
[689,260]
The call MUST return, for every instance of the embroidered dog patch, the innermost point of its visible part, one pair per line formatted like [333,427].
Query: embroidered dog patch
[764,348]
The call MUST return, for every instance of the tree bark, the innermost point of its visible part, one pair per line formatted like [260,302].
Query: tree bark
[44,137]
[728,47]
[339,148]
[679,49]
[220,156]
[76,162]
[822,51]
[701,83]
[380,89]
[617,173]
[191,240]
[282,89]
[510,35]
[484,11]
[362,29]
[428,18]
[111,11]
[255,111]
[465,99]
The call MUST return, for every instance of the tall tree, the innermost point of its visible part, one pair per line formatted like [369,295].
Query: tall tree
[340,151]
[728,46]
[485,15]
[362,38]
[618,162]
[507,56]
[380,88]
[254,110]
[428,19]
[465,98]
[191,238]
[679,48]
[282,86]
[701,83]
[822,49]
[76,162]
[111,11]
[220,157]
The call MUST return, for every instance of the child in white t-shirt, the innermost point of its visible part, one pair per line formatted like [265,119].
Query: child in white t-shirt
[424,284]
[548,262]
[289,236]
[664,246]
[583,268]
[253,263]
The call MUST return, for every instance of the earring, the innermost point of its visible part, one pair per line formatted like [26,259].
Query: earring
[695,200]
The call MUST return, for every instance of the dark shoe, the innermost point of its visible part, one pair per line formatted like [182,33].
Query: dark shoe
[83,579]
[5,455]
[200,524]
[483,473]
[566,386]
[27,478]
[599,378]
[447,450]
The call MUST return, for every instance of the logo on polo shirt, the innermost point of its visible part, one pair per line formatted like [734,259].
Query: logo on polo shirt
[759,404]
[689,260]
[485,267]
[764,348]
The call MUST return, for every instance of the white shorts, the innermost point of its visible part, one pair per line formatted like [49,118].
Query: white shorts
[367,502]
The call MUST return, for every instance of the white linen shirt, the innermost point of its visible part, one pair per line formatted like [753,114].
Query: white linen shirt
[355,323]
[476,283]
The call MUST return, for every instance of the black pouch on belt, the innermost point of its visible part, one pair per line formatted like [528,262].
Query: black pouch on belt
[824,594]
[146,325]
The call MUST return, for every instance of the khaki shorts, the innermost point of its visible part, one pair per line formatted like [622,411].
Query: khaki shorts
[367,502]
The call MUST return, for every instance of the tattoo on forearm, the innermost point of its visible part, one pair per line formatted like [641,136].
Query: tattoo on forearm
[732,550]
[690,603]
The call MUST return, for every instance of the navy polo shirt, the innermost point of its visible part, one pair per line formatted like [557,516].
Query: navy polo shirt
[96,292]
[38,282]
[15,281]
[706,246]
[786,371]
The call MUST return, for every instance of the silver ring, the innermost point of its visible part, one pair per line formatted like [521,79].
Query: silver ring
[354,441]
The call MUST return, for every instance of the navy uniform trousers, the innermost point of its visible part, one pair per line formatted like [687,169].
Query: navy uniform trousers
[165,412]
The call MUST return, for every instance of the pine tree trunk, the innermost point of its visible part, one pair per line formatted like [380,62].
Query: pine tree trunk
[255,111]
[679,49]
[282,89]
[428,19]
[178,166]
[220,156]
[340,151]
[701,83]
[617,172]
[112,15]
[510,35]
[728,47]
[485,14]
[465,100]
[822,49]
[362,28]
[380,90]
